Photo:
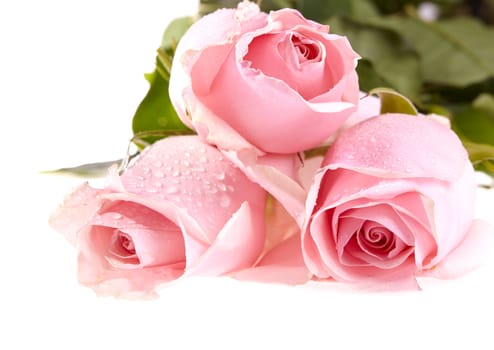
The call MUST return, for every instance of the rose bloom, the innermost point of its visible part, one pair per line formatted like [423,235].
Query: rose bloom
[180,208]
[277,82]
[393,200]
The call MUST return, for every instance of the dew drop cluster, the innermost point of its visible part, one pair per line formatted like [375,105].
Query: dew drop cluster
[191,175]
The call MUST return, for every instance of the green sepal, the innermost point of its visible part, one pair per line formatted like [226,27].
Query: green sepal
[393,102]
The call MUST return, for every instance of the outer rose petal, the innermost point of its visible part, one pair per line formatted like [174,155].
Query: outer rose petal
[76,211]
[368,106]
[236,246]
[395,145]
[213,30]
[282,260]
[480,239]
[283,264]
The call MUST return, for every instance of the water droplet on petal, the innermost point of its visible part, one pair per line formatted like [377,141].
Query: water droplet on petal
[220,176]
[117,216]
[158,164]
[176,173]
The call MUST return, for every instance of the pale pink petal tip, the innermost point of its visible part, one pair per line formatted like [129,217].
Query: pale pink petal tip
[470,254]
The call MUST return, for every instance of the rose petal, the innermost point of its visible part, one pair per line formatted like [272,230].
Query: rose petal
[477,245]
[381,213]
[394,145]
[277,174]
[76,211]
[283,264]
[236,247]
[96,273]
[288,18]
[195,177]
[157,240]
[216,29]
[239,80]
[275,55]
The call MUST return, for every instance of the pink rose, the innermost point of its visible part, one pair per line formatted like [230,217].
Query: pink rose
[393,199]
[180,209]
[277,82]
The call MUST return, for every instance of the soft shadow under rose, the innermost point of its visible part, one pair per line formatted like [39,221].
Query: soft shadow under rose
[393,200]
[181,208]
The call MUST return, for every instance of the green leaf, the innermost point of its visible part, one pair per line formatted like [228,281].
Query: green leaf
[481,156]
[454,52]
[393,102]
[321,10]
[273,5]
[368,77]
[91,170]
[391,63]
[478,152]
[475,124]
[208,6]
[173,33]
[485,102]
[362,10]
[318,10]
[155,117]
[156,113]
[175,30]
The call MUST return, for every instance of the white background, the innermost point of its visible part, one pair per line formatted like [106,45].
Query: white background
[71,77]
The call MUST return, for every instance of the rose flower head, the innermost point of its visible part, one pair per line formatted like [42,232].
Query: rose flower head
[393,200]
[277,82]
[180,209]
